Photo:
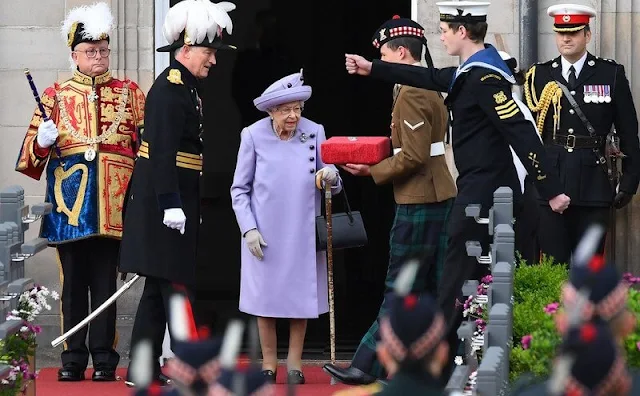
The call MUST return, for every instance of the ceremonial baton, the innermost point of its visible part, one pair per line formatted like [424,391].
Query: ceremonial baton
[332,318]
[36,96]
[95,313]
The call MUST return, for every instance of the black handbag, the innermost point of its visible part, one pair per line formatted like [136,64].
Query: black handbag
[347,229]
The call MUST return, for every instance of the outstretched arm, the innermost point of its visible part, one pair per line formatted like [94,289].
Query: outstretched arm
[415,76]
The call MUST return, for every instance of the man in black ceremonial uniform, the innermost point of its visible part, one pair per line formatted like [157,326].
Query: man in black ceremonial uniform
[485,121]
[601,90]
[163,209]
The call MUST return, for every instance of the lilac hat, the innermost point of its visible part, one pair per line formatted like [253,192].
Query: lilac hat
[285,90]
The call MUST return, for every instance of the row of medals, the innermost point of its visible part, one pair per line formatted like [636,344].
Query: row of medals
[597,94]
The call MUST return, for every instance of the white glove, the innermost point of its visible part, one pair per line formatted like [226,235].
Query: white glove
[329,175]
[174,218]
[255,243]
[47,134]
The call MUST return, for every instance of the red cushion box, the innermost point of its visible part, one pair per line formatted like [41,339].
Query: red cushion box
[368,150]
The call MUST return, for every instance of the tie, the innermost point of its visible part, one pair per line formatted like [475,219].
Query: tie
[572,77]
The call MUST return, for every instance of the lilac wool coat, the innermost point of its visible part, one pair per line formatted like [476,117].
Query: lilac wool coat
[274,191]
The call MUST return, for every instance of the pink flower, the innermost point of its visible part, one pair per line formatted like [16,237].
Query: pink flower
[526,341]
[550,309]
[638,345]
[487,279]
[628,277]
[481,324]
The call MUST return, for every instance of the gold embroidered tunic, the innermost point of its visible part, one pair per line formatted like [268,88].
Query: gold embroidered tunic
[88,169]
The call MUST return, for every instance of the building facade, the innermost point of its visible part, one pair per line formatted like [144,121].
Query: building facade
[30,38]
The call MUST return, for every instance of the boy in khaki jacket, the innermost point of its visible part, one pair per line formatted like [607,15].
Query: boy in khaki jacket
[423,187]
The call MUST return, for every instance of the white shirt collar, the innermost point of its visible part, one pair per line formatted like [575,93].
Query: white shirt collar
[578,66]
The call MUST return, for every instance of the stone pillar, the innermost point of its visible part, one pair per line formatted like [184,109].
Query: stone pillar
[621,19]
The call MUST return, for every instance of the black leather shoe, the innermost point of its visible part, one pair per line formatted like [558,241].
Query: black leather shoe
[295,377]
[270,375]
[70,375]
[349,375]
[103,375]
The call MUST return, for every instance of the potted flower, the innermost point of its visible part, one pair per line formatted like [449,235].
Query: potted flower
[19,348]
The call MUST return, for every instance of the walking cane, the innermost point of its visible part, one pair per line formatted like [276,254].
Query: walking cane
[332,319]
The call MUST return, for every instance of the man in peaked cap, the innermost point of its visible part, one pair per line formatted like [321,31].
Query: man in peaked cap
[576,134]
[422,184]
[86,148]
[485,121]
[163,205]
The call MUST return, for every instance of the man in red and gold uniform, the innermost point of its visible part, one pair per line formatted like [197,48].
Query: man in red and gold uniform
[86,145]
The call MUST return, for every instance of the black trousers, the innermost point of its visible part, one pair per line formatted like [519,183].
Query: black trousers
[153,315]
[89,266]
[559,234]
[526,227]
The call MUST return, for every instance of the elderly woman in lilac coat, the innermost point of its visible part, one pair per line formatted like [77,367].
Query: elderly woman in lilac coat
[276,202]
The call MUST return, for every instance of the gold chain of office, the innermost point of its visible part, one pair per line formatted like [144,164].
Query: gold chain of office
[121,107]
[551,94]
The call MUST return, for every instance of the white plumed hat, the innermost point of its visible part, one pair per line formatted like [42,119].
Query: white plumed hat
[87,23]
[197,23]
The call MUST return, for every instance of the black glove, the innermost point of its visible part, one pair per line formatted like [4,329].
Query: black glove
[622,199]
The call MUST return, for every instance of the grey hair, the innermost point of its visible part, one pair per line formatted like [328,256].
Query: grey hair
[271,109]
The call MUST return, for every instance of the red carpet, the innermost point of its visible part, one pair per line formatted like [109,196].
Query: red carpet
[317,383]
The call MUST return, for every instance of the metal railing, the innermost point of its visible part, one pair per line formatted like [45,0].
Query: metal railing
[492,376]
[15,218]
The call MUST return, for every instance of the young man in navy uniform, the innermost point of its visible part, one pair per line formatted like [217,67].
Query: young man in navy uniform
[162,217]
[485,121]
[576,147]
[422,184]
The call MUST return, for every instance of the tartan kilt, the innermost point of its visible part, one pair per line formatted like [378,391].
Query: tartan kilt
[419,231]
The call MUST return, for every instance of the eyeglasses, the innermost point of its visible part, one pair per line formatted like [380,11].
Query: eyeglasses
[286,110]
[91,53]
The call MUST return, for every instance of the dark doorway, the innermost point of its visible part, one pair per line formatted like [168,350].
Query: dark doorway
[276,38]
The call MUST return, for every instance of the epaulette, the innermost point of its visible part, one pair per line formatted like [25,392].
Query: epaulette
[175,77]
[610,61]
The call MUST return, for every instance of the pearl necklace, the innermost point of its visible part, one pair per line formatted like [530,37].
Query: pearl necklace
[278,136]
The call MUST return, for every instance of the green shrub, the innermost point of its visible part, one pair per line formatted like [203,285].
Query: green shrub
[537,287]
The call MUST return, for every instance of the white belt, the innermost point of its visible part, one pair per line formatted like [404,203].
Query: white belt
[437,149]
